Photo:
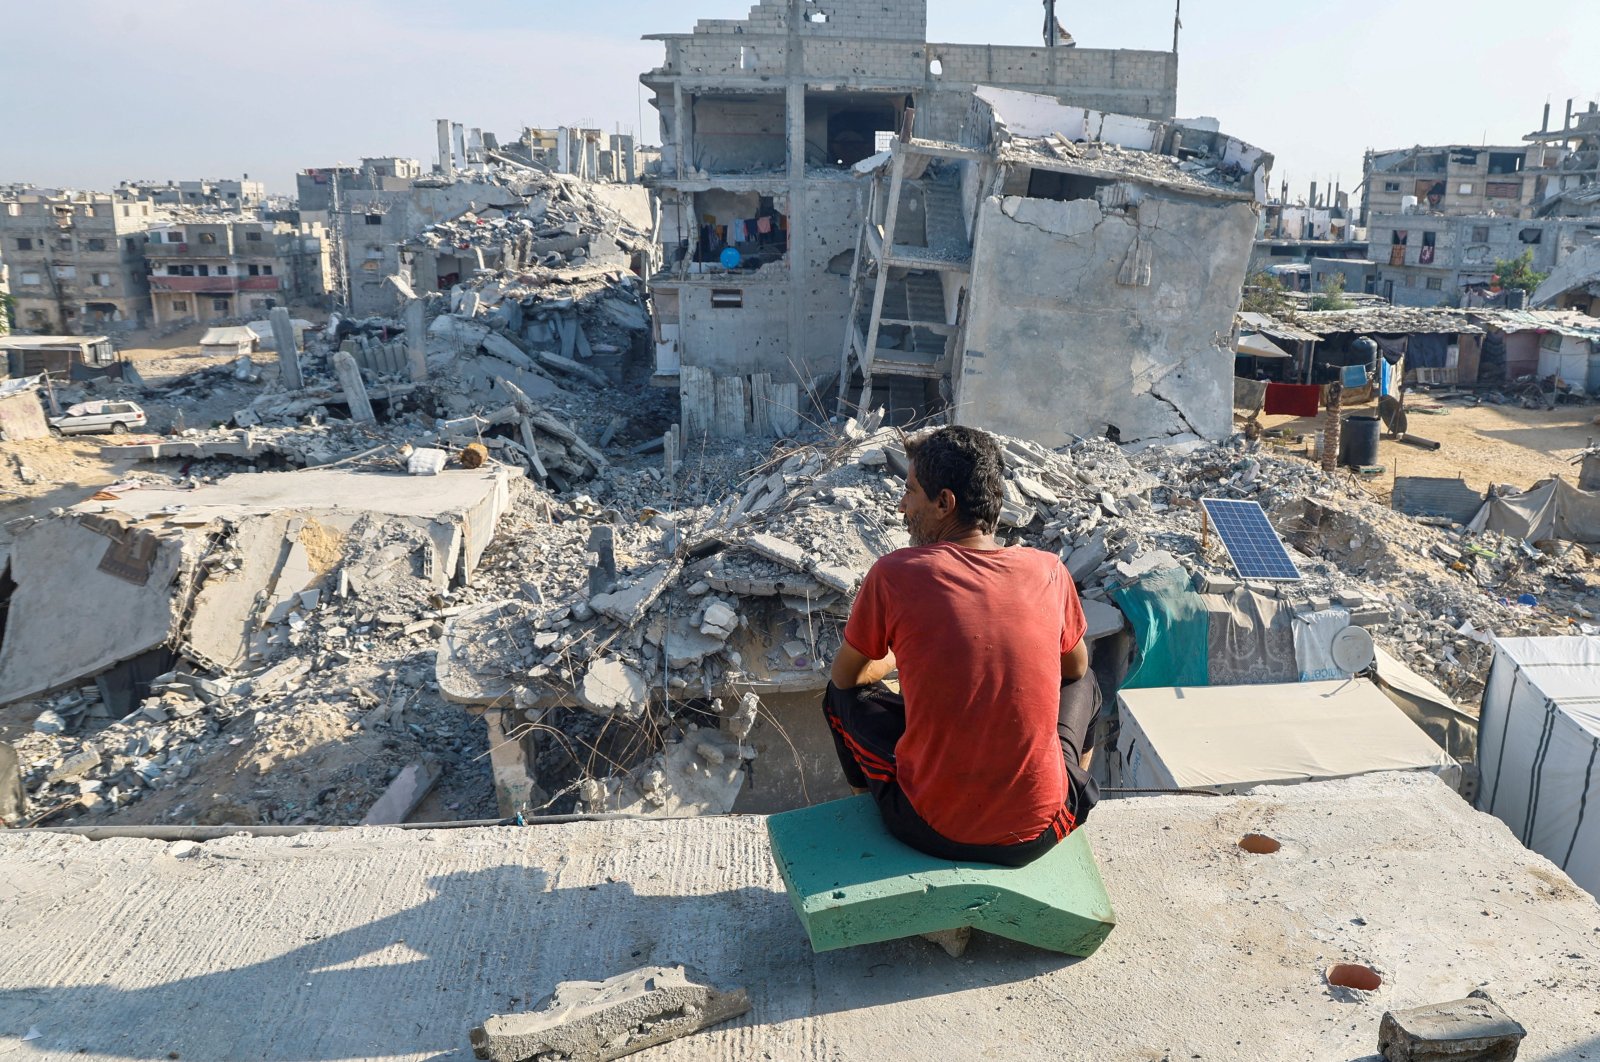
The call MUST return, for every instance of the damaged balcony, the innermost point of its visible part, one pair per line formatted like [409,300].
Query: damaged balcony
[913,255]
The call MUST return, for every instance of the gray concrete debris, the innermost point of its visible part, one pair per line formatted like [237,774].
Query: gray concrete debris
[1474,1029]
[611,687]
[595,1021]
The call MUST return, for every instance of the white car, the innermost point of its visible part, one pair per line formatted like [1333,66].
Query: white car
[87,418]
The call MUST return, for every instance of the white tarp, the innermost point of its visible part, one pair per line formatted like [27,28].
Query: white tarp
[1539,749]
[1231,738]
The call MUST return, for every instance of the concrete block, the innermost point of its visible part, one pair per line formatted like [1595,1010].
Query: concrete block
[1474,1029]
[785,553]
[852,883]
[595,1021]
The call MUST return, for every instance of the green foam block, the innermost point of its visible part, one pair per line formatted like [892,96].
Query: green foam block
[852,883]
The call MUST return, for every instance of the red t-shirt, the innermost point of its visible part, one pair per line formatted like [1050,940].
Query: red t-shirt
[978,636]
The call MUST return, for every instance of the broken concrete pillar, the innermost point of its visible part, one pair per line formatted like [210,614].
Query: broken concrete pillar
[355,389]
[603,547]
[447,165]
[288,349]
[1474,1029]
[416,341]
[596,1021]
[669,450]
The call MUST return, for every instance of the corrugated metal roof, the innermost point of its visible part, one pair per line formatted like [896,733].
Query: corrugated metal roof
[1435,496]
[1388,320]
[1563,322]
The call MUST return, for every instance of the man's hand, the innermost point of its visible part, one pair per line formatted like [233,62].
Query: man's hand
[852,668]
[1074,664]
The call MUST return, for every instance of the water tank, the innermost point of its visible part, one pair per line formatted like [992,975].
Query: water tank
[1408,204]
[1358,441]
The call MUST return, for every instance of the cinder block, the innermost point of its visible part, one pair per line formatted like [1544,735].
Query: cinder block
[596,1021]
[1474,1029]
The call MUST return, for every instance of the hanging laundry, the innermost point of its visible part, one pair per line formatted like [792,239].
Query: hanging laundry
[1292,400]
[739,232]
[764,225]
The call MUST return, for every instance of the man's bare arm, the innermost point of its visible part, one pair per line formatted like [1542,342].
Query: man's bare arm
[1075,664]
[853,668]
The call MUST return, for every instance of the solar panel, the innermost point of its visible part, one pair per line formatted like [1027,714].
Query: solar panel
[1256,550]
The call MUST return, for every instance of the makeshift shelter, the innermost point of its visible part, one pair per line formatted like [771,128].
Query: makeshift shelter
[1539,749]
[1554,509]
[267,340]
[232,342]
[1231,738]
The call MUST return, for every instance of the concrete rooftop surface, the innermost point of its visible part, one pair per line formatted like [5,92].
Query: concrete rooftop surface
[382,944]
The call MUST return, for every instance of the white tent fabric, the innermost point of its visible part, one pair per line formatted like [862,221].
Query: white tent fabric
[1539,749]
[1553,509]
[1232,738]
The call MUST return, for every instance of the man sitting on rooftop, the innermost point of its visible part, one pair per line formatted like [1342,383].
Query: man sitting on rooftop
[980,757]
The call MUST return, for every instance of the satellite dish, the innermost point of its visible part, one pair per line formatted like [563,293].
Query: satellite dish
[1352,650]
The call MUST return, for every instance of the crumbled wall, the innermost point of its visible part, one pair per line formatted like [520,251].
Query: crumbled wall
[1058,345]
[22,417]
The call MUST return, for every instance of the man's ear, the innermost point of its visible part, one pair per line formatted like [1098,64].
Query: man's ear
[946,501]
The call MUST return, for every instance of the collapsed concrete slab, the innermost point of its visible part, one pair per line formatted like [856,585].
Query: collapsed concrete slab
[211,571]
[596,1021]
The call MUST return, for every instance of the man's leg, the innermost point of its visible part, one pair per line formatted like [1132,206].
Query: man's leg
[866,722]
[1080,703]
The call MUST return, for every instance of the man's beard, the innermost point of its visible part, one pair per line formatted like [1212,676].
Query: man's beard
[919,538]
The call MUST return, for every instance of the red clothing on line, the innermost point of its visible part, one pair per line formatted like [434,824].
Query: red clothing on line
[978,636]
[1293,400]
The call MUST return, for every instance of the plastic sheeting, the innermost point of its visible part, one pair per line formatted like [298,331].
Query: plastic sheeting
[1553,509]
[1425,704]
[1171,628]
[1539,749]
[1231,738]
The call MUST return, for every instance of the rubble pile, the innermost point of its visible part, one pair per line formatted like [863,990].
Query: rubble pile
[634,625]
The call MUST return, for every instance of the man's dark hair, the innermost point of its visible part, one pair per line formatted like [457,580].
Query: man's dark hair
[967,462]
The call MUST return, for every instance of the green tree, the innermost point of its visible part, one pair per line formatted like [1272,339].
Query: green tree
[1264,293]
[1331,297]
[1518,273]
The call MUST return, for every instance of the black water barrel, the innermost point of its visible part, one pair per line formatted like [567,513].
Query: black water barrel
[1358,441]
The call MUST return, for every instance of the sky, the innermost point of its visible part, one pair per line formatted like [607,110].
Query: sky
[99,91]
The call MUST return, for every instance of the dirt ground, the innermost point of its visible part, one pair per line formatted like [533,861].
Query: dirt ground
[1482,444]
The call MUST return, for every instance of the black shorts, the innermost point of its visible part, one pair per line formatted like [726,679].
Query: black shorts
[867,723]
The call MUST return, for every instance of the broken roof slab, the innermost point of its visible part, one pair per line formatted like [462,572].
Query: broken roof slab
[393,944]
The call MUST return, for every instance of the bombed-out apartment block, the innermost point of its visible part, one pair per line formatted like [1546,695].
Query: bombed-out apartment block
[226,194]
[1061,271]
[207,267]
[776,259]
[77,260]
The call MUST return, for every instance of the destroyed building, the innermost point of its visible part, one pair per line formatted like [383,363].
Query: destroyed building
[208,267]
[762,120]
[76,260]
[226,194]
[1054,243]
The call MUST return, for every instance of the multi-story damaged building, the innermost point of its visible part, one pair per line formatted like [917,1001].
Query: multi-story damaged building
[774,256]
[226,194]
[207,267]
[77,260]
[1061,271]
[1454,179]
